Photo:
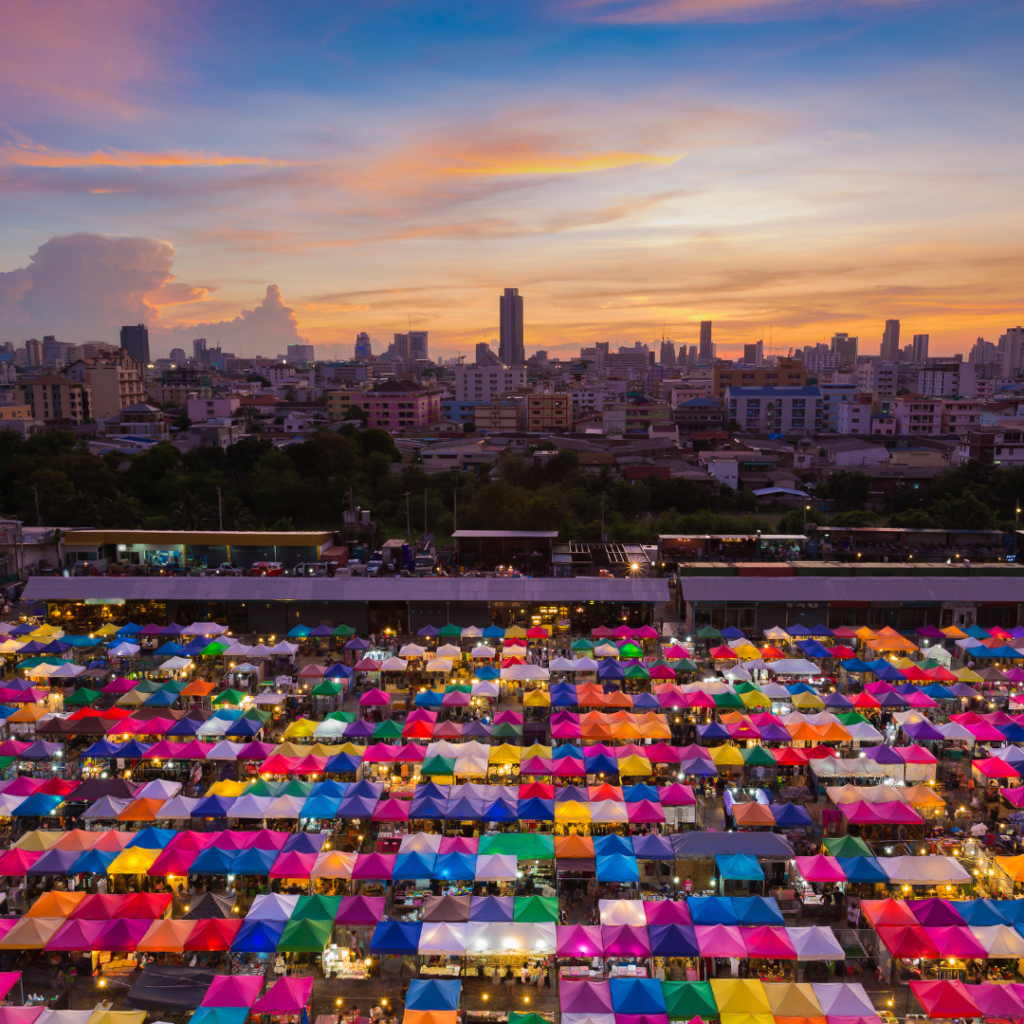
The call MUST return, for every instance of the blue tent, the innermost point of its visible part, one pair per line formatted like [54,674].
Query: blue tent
[609,668]
[713,731]
[343,763]
[752,910]
[163,699]
[612,846]
[37,804]
[641,791]
[813,649]
[134,749]
[822,630]
[329,788]
[397,937]
[1014,732]
[81,641]
[1013,911]
[567,750]
[732,633]
[491,908]
[791,815]
[699,766]
[795,688]
[213,807]
[537,809]
[172,630]
[338,671]
[258,936]
[304,842]
[652,847]
[617,868]
[864,869]
[563,695]
[152,838]
[637,995]
[169,649]
[980,913]
[245,727]
[885,670]
[938,692]
[184,726]
[103,748]
[712,910]
[855,665]
[93,862]
[433,994]
[429,699]
[220,1015]
[601,762]
[646,702]
[128,629]
[799,630]
[252,862]
[504,809]
[413,865]
[213,861]
[492,632]
[487,672]
[739,867]
[320,806]
[460,867]
[673,940]
[465,808]
[837,701]
[566,793]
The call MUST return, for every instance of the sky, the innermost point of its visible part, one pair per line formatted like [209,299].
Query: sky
[267,174]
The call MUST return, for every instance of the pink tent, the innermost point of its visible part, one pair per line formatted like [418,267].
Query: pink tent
[75,935]
[288,995]
[699,699]
[380,752]
[1015,797]
[268,839]
[956,940]
[568,731]
[662,753]
[585,997]
[537,765]
[361,910]
[625,940]
[984,732]
[233,840]
[820,869]
[460,844]
[641,1018]
[411,752]
[392,810]
[257,750]
[191,751]
[23,785]
[374,865]
[121,935]
[456,699]
[667,912]
[8,979]
[675,651]
[676,795]
[769,943]
[374,698]
[367,665]
[644,812]
[646,633]
[165,750]
[312,671]
[233,990]
[916,755]
[579,940]
[720,940]
[20,1014]
[293,864]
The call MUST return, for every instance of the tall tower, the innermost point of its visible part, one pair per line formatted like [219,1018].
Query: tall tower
[890,350]
[707,349]
[510,347]
[920,348]
[135,341]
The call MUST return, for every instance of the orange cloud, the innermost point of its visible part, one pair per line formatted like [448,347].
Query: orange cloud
[485,163]
[40,156]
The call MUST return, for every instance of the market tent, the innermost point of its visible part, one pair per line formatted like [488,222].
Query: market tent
[946,999]
[815,943]
[288,995]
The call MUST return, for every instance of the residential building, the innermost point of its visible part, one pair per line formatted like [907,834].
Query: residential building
[140,420]
[846,348]
[549,411]
[216,433]
[1012,344]
[788,373]
[983,353]
[919,350]
[505,414]
[993,446]
[917,414]
[482,383]
[883,426]
[11,410]
[210,408]
[850,452]
[707,347]
[457,412]
[879,377]
[457,454]
[725,470]
[401,405]
[634,415]
[834,396]
[33,352]
[511,349]
[698,414]
[854,416]
[173,394]
[947,379]
[115,383]
[56,400]
[135,341]
[340,402]
[890,350]
[960,415]
[775,410]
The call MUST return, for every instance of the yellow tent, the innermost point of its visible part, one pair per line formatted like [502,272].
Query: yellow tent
[56,903]
[352,748]
[537,699]
[1013,866]
[866,634]
[968,675]
[107,630]
[227,787]
[117,1017]
[133,861]
[736,996]
[333,864]
[324,749]
[38,840]
[132,699]
[572,810]
[792,999]
[747,651]
[806,700]
[923,796]
[300,729]
[47,630]
[515,631]
[634,765]
[902,663]
[726,755]
[537,750]
[756,699]
[288,749]
[31,933]
[747,1018]
[503,754]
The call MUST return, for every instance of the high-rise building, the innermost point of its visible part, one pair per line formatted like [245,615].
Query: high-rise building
[301,354]
[668,353]
[707,348]
[890,350]
[364,349]
[418,347]
[56,353]
[177,355]
[401,346]
[1012,344]
[920,348]
[691,356]
[135,341]
[753,355]
[33,352]
[198,348]
[511,350]
[846,348]
[482,350]
[983,353]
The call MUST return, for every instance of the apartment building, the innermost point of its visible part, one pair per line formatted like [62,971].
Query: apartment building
[775,410]
[916,414]
[504,414]
[140,420]
[483,383]
[401,405]
[635,415]
[789,373]
[854,417]
[1001,445]
[340,402]
[696,415]
[549,411]
[116,382]
[959,415]
[56,400]
[880,378]
[947,380]
[210,408]
[174,394]
[834,397]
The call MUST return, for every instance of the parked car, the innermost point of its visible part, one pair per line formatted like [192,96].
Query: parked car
[228,569]
[373,567]
[266,569]
[309,569]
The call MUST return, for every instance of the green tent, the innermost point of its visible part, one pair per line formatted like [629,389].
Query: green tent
[637,672]
[435,765]
[758,756]
[296,787]
[147,686]
[527,1018]
[583,644]
[316,908]
[630,650]
[744,687]
[389,729]
[727,700]
[685,1000]
[522,845]
[6,762]
[928,663]
[82,696]
[326,688]
[40,659]
[257,715]
[683,665]
[264,787]
[450,630]
[851,717]
[535,908]
[340,716]
[847,846]
[214,649]
[307,936]
[507,730]
[458,688]
[709,633]
[227,697]
[174,686]
[343,631]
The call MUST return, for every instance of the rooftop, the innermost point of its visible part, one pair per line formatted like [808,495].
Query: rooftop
[808,391]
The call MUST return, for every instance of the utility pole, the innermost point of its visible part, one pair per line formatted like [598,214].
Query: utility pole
[424,513]
[39,518]
[806,507]
[455,509]
[220,512]
[1016,526]
[602,517]
[408,521]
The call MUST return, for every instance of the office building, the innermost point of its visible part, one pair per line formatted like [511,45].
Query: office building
[511,350]
[364,349]
[668,353]
[1012,344]
[820,358]
[753,355]
[178,355]
[919,351]
[846,348]
[135,341]
[483,383]
[775,410]
[300,354]
[707,348]
[33,352]
[890,350]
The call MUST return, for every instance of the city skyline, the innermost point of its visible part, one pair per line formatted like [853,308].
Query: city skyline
[268,183]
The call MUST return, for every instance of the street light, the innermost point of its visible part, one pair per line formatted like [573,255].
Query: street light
[807,509]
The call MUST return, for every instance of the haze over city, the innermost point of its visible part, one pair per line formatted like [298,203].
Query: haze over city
[788,170]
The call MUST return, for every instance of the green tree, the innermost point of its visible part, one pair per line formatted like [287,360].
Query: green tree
[847,489]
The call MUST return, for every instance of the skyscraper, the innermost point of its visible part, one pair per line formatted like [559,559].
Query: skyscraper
[401,346]
[198,348]
[707,348]
[363,347]
[919,352]
[135,341]
[668,353]
[511,350]
[890,350]
[846,348]
[418,348]
[482,350]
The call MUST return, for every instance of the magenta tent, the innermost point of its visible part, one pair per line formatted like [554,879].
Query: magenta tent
[460,844]
[312,671]
[378,752]
[374,866]
[374,698]
[957,940]
[820,869]
[288,995]
[121,935]
[20,1014]
[586,997]
[267,839]
[165,750]
[191,751]
[257,750]
[641,1018]
[365,910]
[579,940]
[662,753]
[771,943]
[233,990]
[625,940]
[293,864]
[411,752]
[119,685]
[667,912]
[75,935]
[391,810]
[8,979]
[676,795]
[1015,797]
[644,812]
[720,940]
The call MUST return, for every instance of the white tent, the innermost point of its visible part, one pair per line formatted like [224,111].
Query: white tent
[524,673]
[999,940]
[615,912]
[214,727]
[842,1000]
[467,765]
[939,653]
[259,651]
[584,665]
[67,671]
[412,651]
[250,806]
[448,651]
[588,1018]
[8,804]
[496,867]
[394,665]
[737,674]
[527,938]
[268,698]
[333,864]
[863,732]
[926,870]
[272,906]
[123,650]
[285,807]
[438,665]
[420,842]
[329,729]
[954,731]
[237,649]
[444,938]
[65,1017]
[485,688]
[225,750]
[472,631]
[817,943]
[159,789]
[204,629]
[776,633]
[608,811]
[283,647]
[177,808]
[245,668]
[176,664]
[776,690]
[795,667]
[482,651]
[606,650]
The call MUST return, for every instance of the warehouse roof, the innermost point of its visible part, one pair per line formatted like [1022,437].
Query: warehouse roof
[785,589]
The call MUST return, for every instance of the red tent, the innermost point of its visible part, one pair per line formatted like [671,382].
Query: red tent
[945,999]
[770,943]
[865,700]
[724,653]
[910,943]
[215,933]
[789,755]
[887,912]
[842,652]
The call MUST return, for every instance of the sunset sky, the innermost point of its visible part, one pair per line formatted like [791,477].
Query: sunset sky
[266,173]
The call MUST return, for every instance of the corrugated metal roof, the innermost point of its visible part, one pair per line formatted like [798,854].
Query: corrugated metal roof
[774,589]
[264,588]
[508,534]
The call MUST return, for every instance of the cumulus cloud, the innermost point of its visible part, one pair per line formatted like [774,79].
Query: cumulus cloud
[85,286]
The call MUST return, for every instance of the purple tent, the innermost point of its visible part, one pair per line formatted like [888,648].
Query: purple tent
[922,731]
[361,730]
[429,631]
[883,755]
[357,644]
[478,730]
[932,633]
[585,997]
[491,908]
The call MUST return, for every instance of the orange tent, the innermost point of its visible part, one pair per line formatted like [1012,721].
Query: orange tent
[142,808]
[953,632]
[866,634]
[77,839]
[574,847]
[166,936]
[802,731]
[198,688]
[624,726]
[832,732]
[429,1017]
[752,814]
[618,699]
[55,904]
